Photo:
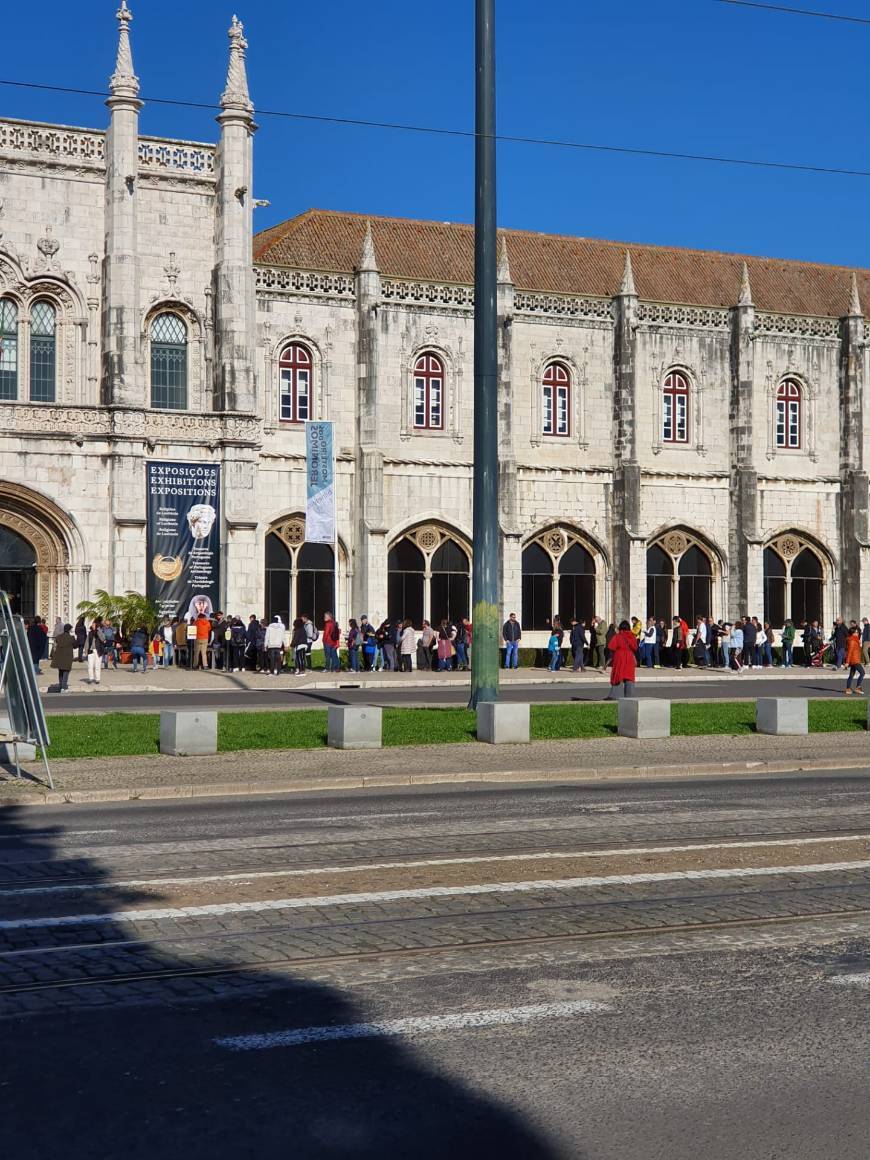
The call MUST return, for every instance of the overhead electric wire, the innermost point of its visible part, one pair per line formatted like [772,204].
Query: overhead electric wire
[796,11]
[441,131]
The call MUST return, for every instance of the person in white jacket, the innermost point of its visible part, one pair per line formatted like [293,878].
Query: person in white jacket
[275,645]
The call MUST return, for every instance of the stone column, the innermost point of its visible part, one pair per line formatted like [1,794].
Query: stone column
[510,547]
[745,581]
[854,541]
[234,299]
[626,513]
[120,383]
[370,564]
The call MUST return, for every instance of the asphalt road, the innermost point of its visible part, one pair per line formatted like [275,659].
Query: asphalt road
[656,971]
[283,695]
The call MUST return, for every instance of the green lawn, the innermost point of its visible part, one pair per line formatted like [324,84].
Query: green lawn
[126,734]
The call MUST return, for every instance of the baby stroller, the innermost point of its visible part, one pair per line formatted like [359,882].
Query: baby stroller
[818,657]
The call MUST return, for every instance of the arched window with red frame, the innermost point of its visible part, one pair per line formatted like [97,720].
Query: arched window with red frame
[789,405]
[556,400]
[294,399]
[675,408]
[428,393]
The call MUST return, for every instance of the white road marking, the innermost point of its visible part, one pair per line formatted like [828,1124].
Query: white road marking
[423,1025]
[220,909]
[365,867]
[858,980]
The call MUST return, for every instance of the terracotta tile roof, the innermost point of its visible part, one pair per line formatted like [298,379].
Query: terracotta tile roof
[444,252]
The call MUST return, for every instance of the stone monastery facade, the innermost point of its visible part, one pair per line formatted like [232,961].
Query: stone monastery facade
[678,430]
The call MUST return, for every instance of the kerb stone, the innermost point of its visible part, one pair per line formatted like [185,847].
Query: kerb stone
[645,719]
[781,715]
[188,734]
[7,753]
[502,724]
[354,727]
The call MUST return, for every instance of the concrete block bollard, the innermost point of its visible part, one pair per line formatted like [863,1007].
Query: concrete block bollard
[188,734]
[781,716]
[644,719]
[354,727]
[500,723]
[7,753]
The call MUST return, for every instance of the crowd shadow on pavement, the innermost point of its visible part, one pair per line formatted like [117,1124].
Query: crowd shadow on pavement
[119,1069]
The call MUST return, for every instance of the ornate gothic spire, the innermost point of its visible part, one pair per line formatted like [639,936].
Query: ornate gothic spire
[855,310]
[124,82]
[368,261]
[236,95]
[504,268]
[744,298]
[627,287]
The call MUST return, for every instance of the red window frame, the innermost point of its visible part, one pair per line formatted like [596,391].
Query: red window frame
[788,415]
[675,408]
[428,401]
[556,400]
[294,384]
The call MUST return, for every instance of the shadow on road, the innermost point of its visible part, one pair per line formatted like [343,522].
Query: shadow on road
[130,1069]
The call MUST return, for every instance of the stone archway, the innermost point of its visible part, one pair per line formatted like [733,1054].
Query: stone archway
[61,578]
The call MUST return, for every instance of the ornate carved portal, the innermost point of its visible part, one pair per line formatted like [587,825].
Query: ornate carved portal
[43,526]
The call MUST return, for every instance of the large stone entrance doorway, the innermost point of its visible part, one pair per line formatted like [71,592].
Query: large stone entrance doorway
[18,572]
[41,555]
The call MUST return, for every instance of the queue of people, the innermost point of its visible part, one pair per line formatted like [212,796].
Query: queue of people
[229,644]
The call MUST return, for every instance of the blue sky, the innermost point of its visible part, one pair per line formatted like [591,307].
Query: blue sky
[683,75]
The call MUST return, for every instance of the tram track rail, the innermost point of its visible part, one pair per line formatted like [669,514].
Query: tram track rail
[620,917]
[111,879]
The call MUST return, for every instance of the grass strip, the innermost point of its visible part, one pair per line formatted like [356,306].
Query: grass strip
[131,734]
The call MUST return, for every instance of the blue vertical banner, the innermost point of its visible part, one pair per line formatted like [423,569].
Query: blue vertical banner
[320,507]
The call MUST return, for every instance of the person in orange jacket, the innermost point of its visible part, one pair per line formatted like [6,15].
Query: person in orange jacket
[853,660]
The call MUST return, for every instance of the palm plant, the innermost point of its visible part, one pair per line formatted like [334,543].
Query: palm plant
[130,611]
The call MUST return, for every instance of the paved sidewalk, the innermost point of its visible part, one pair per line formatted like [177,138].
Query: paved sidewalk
[271,771]
[123,680]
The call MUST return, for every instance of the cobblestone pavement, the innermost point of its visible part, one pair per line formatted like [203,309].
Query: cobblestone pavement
[528,943]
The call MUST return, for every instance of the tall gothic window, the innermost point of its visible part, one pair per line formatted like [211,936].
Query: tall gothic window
[43,353]
[675,408]
[300,580]
[169,362]
[8,349]
[294,403]
[429,393]
[789,400]
[556,400]
[559,578]
[428,578]
[679,579]
[794,582]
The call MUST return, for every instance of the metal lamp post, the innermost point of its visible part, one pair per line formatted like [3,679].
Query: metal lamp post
[485,554]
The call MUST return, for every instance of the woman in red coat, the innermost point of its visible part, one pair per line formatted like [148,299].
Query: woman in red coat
[623,650]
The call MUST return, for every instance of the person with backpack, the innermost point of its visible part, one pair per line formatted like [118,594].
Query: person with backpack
[238,645]
[368,643]
[381,657]
[299,644]
[553,649]
[446,649]
[331,641]
[311,635]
